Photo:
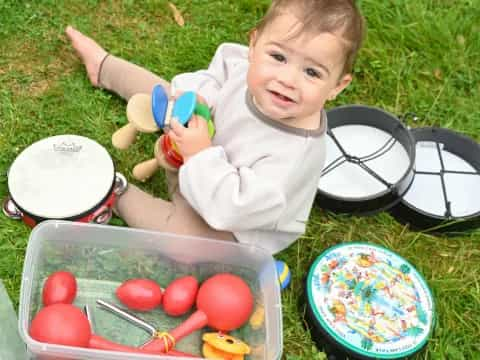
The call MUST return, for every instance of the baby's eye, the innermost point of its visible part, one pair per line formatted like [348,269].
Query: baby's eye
[278,57]
[312,73]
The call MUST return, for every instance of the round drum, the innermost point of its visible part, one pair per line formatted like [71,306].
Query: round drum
[444,193]
[369,163]
[366,302]
[65,177]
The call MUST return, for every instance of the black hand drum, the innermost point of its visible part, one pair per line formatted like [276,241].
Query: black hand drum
[369,163]
[66,177]
[444,195]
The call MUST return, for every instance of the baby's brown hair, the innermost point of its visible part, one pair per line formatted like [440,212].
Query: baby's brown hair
[317,16]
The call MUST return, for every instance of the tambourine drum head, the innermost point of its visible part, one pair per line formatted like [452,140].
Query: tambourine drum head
[368,162]
[351,181]
[61,177]
[367,302]
[447,179]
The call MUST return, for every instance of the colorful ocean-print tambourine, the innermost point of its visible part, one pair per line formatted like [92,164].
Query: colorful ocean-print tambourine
[366,302]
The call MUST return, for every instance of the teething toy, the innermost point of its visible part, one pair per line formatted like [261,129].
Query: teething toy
[223,346]
[166,154]
[150,113]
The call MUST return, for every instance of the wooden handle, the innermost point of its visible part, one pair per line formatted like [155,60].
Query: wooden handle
[124,137]
[145,170]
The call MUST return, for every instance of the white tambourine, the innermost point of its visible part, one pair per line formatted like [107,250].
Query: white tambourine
[66,177]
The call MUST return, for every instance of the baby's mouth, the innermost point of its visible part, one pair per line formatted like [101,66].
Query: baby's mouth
[281,97]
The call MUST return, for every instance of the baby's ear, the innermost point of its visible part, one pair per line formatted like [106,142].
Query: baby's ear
[253,36]
[251,45]
[343,82]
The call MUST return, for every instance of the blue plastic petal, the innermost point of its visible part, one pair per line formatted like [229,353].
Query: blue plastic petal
[184,107]
[159,105]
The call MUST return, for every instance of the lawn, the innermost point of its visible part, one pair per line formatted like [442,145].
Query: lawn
[420,56]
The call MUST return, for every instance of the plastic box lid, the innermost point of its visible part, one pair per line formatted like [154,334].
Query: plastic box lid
[102,257]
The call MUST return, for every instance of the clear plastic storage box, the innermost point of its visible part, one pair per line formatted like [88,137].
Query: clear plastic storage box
[102,257]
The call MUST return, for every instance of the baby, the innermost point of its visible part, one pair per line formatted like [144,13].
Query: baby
[256,180]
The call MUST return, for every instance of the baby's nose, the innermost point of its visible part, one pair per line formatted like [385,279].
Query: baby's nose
[287,77]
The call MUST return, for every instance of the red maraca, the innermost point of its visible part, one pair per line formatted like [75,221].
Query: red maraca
[224,303]
[59,288]
[180,295]
[140,294]
[62,324]
[100,343]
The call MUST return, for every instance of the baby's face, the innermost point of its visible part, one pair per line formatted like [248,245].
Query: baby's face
[291,77]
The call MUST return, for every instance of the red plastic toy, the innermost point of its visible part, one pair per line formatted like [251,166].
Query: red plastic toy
[224,303]
[171,154]
[61,324]
[140,294]
[100,343]
[59,288]
[180,295]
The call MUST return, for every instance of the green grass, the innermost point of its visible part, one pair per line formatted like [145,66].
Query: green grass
[421,56]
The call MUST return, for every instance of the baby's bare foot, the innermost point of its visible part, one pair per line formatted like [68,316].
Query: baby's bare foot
[89,51]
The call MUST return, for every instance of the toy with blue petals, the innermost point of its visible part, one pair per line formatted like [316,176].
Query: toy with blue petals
[148,113]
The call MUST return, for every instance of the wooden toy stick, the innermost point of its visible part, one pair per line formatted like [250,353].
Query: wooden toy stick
[145,170]
[140,118]
[124,137]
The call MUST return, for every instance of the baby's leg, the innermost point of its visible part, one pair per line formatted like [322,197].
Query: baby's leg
[141,210]
[89,52]
[112,73]
[127,79]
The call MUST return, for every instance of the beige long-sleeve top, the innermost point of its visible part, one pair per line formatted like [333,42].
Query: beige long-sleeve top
[260,177]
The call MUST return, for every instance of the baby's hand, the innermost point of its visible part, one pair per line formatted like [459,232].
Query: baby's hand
[192,139]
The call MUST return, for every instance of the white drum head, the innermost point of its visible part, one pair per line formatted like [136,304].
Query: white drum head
[61,177]
[460,183]
[376,148]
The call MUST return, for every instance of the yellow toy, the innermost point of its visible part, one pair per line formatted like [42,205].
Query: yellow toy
[258,317]
[221,346]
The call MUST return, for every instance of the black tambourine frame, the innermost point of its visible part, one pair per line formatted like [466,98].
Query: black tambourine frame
[376,118]
[456,144]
